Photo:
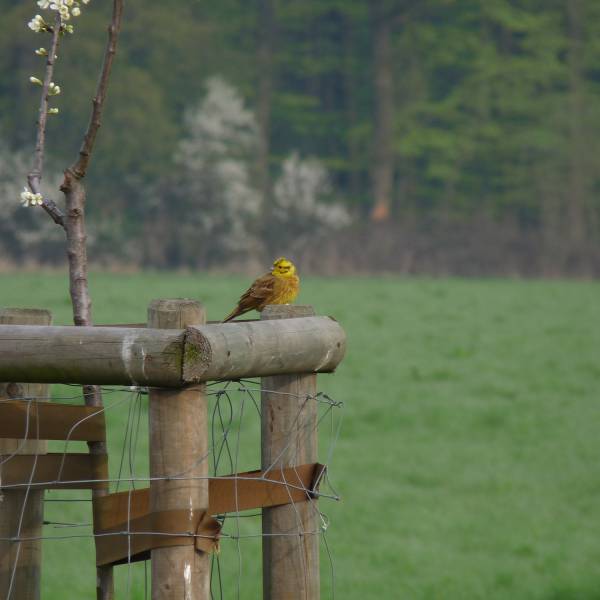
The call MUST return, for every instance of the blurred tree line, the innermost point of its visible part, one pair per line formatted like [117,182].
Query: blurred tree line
[436,135]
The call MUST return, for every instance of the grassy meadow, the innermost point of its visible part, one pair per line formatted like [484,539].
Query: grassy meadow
[469,455]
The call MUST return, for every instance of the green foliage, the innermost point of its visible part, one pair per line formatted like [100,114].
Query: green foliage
[468,457]
[491,112]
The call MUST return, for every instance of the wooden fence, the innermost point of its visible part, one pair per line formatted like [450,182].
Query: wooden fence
[172,521]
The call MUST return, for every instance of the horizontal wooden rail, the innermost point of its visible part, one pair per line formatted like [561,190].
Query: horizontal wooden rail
[32,420]
[129,512]
[169,357]
[51,471]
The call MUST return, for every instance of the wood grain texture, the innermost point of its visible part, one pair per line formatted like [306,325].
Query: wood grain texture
[105,355]
[21,512]
[49,420]
[178,446]
[51,469]
[289,438]
[170,357]
[259,348]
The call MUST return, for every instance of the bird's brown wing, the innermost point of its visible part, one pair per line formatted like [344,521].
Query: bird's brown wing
[256,297]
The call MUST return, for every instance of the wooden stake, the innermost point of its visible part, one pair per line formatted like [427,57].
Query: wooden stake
[22,512]
[178,447]
[289,437]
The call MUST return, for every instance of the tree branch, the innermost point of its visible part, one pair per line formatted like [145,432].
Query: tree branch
[79,169]
[75,196]
[34,178]
[74,190]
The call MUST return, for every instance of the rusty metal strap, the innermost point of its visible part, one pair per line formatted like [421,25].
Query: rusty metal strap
[126,530]
[22,419]
[53,471]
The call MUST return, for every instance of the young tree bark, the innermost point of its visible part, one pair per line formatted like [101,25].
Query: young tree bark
[73,223]
[266,25]
[34,179]
[576,190]
[352,112]
[382,171]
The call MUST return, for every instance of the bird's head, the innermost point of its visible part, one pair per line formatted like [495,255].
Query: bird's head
[283,267]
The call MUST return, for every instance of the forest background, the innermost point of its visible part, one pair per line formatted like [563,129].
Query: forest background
[438,136]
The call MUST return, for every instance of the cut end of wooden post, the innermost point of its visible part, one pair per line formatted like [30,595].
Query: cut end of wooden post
[25,316]
[197,355]
[175,313]
[286,311]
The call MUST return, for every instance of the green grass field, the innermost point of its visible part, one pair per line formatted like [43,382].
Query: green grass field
[469,456]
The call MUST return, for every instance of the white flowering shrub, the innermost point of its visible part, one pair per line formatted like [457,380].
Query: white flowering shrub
[216,183]
[220,126]
[303,197]
[213,196]
[21,232]
[13,171]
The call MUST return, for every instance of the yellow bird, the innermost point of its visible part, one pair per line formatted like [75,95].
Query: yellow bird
[280,286]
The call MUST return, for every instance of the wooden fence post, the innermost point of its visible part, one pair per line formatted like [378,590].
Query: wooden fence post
[178,447]
[288,438]
[21,562]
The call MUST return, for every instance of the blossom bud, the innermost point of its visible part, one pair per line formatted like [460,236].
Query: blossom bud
[30,199]
[53,111]
[41,52]
[35,80]
[37,24]
[76,11]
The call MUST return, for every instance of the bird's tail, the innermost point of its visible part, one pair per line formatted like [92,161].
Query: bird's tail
[236,312]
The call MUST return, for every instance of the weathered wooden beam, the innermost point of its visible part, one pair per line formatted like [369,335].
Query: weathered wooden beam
[119,356]
[52,471]
[37,420]
[260,348]
[169,357]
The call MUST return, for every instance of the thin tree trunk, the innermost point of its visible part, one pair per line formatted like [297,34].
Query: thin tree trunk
[75,196]
[82,315]
[382,170]
[350,88]
[576,192]
[265,94]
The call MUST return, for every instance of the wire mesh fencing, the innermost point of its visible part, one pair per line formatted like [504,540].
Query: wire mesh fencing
[234,451]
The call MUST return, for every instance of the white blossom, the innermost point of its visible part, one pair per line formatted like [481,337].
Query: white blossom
[30,199]
[37,24]
[65,8]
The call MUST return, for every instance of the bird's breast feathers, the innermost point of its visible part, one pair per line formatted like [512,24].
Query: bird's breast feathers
[285,290]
